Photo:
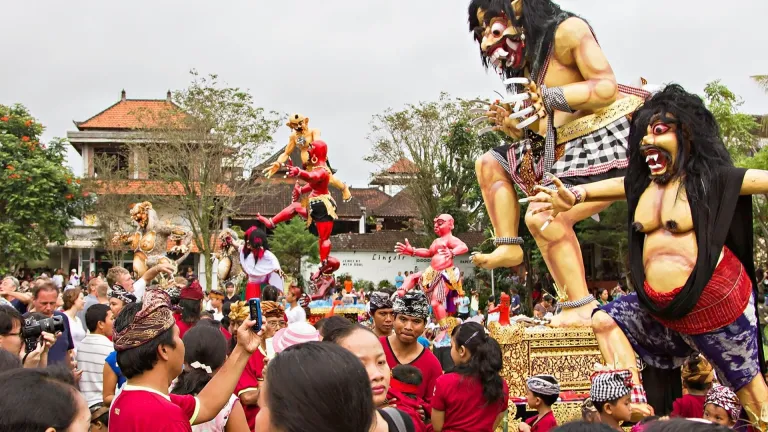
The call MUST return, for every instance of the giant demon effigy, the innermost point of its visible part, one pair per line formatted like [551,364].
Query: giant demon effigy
[149,241]
[318,208]
[576,138]
[690,248]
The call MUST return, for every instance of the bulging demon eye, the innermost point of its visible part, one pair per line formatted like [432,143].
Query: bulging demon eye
[660,129]
[498,29]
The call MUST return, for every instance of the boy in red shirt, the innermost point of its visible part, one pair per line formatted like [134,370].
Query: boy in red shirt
[697,376]
[403,347]
[150,354]
[543,392]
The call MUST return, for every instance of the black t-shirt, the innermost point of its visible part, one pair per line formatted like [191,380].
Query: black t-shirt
[19,306]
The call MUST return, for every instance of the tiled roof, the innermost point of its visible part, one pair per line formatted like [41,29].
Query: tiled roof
[401,205]
[295,159]
[385,240]
[125,114]
[276,195]
[148,187]
[402,166]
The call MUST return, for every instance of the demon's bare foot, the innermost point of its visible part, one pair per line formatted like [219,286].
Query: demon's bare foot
[640,411]
[576,317]
[503,256]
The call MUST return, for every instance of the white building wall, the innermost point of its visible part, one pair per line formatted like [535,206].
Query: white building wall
[377,266]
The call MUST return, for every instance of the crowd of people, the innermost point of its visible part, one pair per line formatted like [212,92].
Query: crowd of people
[122,354]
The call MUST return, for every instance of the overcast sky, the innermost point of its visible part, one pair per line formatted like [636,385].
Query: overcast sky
[340,62]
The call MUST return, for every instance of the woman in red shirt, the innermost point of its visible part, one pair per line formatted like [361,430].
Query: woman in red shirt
[474,397]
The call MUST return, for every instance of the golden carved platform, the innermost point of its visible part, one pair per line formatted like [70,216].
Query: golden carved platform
[569,354]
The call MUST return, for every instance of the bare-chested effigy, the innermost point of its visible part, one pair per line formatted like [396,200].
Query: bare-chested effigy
[569,117]
[690,249]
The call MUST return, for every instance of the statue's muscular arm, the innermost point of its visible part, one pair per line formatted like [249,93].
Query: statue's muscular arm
[457,246]
[288,149]
[755,182]
[575,45]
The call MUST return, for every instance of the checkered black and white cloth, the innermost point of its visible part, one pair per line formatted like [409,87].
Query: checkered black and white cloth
[610,385]
[590,155]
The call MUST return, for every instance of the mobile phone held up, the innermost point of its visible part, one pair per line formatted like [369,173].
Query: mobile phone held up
[254,305]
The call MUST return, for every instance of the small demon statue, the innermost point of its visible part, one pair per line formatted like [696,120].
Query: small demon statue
[567,115]
[149,241]
[441,276]
[690,249]
[320,210]
[302,137]
[229,268]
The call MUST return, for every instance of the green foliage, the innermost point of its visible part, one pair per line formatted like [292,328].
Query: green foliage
[38,195]
[437,138]
[290,242]
[610,234]
[384,284]
[736,129]
[738,133]
[362,284]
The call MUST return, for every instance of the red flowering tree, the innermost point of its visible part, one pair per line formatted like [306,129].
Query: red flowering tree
[39,195]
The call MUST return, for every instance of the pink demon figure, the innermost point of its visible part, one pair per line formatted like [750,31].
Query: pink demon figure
[259,263]
[441,276]
[320,210]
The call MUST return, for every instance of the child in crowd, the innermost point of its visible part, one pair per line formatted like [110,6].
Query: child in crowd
[543,392]
[99,419]
[722,406]
[205,352]
[406,379]
[610,393]
[473,396]
[697,376]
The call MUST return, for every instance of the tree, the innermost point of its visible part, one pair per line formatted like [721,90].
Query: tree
[736,129]
[111,207]
[39,196]
[290,242]
[201,148]
[738,132]
[437,138]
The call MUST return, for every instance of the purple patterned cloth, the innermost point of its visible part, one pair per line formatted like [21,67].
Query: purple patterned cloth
[732,349]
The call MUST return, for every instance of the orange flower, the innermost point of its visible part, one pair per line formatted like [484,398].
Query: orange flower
[28,123]
[69,196]
[85,194]
[69,180]
[77,181]
[4,118]
[14,176]
[10,168]
[25,138]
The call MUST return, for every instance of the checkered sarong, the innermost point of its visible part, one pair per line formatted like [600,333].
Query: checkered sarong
[590,155]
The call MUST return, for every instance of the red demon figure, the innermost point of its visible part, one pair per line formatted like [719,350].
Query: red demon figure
[320,209]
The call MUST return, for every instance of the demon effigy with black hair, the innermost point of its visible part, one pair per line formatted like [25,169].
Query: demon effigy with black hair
[319,211]
[259,263]
[569,117]
[690,248]
[302,136]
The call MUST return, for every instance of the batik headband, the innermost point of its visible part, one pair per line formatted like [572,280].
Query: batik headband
[413,303]
[270,309]
[380,300]
[726,399]
[537,384]
[698,370]
[610,385]
[154,318]
[120,293]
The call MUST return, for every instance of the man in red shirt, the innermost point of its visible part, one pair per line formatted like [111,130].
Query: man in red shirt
[248,387]
[150,354]
[411,312]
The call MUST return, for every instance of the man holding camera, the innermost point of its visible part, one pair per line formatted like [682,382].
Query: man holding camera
[45,295]
[12,340]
